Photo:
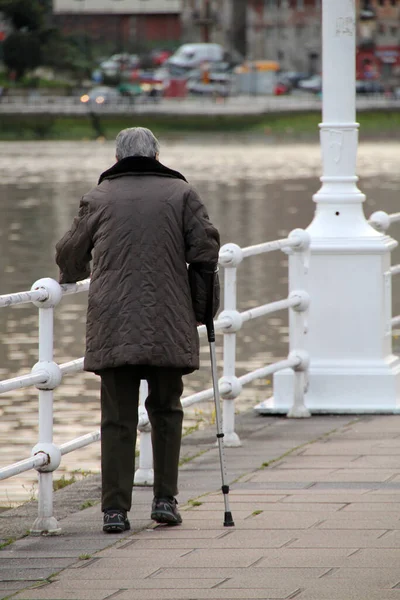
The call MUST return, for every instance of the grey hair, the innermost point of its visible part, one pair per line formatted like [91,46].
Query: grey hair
[136,141]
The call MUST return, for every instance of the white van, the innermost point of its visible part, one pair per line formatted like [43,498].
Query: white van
[190,56]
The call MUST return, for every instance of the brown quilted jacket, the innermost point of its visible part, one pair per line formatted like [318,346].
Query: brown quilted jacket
[140,227]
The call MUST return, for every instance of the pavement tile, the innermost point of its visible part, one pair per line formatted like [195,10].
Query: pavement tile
[135,583]
[395,479]
[256,493]
[241,498]
[169,533]
[284,520]
[209,558]
[287,520]
[35,563]
[391,443]
[338,447]
[6,586]
[353,591]
[375,557]
[334,496]
[373,521]
[318,462]
[193,514]
[372,462]
[95,574]
[267,574]
[372,509]
[48,593]
[217,594]
[306,557]
[11,555]
[233,539]
[379,577]
[391,539]
[27,574]
[322,475]
[290,475]
[275,506]
[141,556]
[249,579]
[336,538]
[382,495]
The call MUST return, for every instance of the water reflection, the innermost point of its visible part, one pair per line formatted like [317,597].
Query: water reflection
[254,192]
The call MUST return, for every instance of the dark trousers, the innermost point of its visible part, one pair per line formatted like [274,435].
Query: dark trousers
[119,419]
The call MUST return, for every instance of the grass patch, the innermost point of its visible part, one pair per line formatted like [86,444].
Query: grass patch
[76,475]
[192,429]
[194,503]
[187,459]
[62,482]
[87,504]
[84,556]
[281,126]
[7,542]
[256,512]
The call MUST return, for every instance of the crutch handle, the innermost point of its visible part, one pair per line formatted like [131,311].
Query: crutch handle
[209,315]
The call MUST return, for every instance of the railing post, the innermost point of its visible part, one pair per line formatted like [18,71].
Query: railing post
[231,256]
[298,332]
[144,475]
[46,523]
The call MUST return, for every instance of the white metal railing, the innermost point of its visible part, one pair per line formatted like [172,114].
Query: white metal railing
[381,221]
[46,375]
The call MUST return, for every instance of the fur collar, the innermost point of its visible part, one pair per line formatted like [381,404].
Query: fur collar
[139,165]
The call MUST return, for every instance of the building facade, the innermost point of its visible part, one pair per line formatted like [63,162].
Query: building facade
[124,25]
[378,49]
[289,31]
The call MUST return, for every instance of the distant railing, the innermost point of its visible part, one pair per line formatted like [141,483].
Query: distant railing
[46,375]
[190,105]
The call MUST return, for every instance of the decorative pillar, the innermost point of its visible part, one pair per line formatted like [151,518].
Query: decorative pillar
[349,341]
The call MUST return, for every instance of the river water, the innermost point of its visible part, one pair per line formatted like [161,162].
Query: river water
[255,191]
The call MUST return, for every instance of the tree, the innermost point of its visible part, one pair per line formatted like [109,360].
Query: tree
[27,15]
[21,52]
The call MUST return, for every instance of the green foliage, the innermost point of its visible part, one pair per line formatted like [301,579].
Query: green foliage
[58,484]
[21,52]
[7,542]
[84,556]
[35,43]
[194,503]
[24,14]
[87,504]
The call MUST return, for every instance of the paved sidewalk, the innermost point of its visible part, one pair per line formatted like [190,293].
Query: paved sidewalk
[319,521]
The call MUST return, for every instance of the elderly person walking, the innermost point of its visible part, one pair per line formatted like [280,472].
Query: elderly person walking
[140,227]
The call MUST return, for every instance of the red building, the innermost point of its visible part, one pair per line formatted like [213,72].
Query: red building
[378,47]
[123,25]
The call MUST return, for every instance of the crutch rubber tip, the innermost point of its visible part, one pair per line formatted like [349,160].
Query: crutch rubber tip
[228,521]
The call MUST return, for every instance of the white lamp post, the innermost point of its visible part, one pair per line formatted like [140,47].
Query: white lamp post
[349,332]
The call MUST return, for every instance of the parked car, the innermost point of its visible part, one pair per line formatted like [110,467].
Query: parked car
[282,88]
[369,87]
[190,56]
[119,62]
[101,95]
[159,57]
[313,84]
[293,77]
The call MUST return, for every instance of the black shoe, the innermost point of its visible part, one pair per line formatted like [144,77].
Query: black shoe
[164,510]
[115,521]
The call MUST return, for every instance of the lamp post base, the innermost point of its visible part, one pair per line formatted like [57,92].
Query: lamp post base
[345,387]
